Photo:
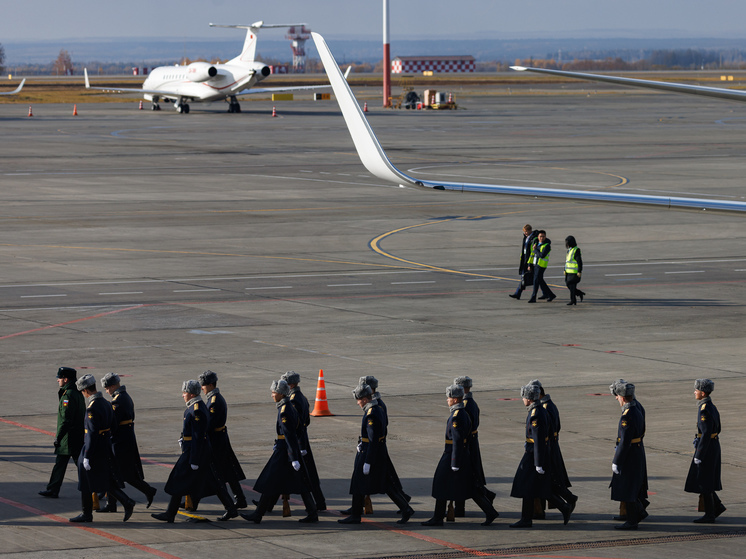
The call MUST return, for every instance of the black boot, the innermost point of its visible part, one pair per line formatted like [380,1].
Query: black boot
[709,516]
[127,503]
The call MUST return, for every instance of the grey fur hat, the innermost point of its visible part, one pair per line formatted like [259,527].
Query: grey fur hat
[463,381]
[617,387]
[291,377]
[86,381]
[208,377]
[704,384]
[362,391]
[531,392]
[536,381]
[110,379]
[455,391]
[371,381]
[191,387]
[280,386]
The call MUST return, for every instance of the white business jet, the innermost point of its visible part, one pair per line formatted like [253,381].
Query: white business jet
[375,160]
[204,82]
[16,90]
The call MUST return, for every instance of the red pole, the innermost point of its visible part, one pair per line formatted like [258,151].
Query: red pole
[386,56]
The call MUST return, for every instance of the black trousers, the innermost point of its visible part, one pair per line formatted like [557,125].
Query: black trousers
[268,500]
[58,471]
[479,497]
[540,283]
[572,281]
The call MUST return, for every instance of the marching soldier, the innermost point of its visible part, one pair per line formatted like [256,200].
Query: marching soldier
[704,471]
[124,442]
[194,472]
[371,471]
[282,474]
[533,479]
[69,438]
[471,407]
[227,465]
[629,466]
[454,479]
[96,467]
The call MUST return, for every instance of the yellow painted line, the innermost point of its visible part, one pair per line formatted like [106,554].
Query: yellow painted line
[195,516]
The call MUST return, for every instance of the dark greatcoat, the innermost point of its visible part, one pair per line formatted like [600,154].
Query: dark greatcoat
[705,477]
[226,463]
[195,449]
[559,472]
[629,455]
[70,417]
[123,440]
[278,476]
[97,448]
[300,403]
[447,484]
[373,451]
[471,407]
[393,480]
[528,483]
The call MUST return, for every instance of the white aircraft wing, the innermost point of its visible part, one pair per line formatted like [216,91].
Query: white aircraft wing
[125,89]
[375,160]
[289,88]
[719,92]
[16,90]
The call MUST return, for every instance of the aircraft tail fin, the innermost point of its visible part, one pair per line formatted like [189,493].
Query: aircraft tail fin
[248,53]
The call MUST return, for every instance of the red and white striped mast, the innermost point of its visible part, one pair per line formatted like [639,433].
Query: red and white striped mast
[386,56]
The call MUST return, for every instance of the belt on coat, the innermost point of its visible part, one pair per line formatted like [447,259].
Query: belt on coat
[219,429]
[532,440]
[366,440]
[712,436]
[280,437]
[633,441]
[187,438]
[127,422]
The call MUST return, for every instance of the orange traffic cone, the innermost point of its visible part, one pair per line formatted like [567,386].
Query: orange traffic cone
[75,109]
[274,111]
[30,113]
[365,107]
[321,407]
[450,97]
[140,104]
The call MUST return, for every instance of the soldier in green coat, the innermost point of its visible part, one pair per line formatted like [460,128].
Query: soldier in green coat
[69,439]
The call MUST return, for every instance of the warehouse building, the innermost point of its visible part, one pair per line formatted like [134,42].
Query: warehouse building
[435,64]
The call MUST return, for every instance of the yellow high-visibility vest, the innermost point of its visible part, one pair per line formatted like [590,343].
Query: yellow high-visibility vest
[571,265]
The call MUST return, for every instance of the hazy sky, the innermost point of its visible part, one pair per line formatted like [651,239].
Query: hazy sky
[55,19]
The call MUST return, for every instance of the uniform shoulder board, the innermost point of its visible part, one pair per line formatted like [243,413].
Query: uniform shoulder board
[89,405]
[369,411]
[625,411]
[455,413]
[282,409]
[292,396]
[215,397]
[533,412]
[545,406]
[115,397]
[196,407]
[703,407]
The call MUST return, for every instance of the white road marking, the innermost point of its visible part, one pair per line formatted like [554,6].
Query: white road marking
[36,296]
[612,275]
[272,287]
[409,282]
[347,284]
[123,293]
[687,272]
[192,290]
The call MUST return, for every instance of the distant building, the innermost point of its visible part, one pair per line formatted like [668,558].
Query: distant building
[436,64]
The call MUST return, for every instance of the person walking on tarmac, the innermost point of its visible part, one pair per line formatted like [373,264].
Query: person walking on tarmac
[573,269]
[69,439]
[542,248]
[524,266]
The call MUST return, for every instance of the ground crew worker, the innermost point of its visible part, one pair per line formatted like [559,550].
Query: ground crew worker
[69,438]
[525,265]
[124,442]
[228,468]
[542,248]
[96,470]
[370,473]
[454,479]
[471,407]
[194,472]
[282,474]
[704,471]
[533,479]
[573,269]
[629,467]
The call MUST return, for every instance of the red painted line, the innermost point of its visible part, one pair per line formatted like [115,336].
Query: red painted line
[94,531]
[14,423]
[70,322]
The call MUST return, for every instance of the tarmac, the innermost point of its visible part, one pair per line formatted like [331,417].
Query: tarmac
[159,245]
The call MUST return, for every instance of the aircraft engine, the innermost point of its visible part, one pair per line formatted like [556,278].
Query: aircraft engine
[265,71]
[201,71]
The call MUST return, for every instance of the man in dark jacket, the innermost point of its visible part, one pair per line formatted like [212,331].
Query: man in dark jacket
[524,266]
[533,479]
[370,474]
[541,249]
[454,476]
[97,472]
[282,474]
[194,472]
[228,468]
[69,439]
[124,442]
[704,471]
[573,270]
[629,467]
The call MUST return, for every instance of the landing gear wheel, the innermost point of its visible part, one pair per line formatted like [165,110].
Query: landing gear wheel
[185,108]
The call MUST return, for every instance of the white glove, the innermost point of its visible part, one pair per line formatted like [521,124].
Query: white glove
[539,470]
[296,465]
[359,447]
[697,461]
[86,464]
[181,442]
[615,469]
[454,468]
[303,452]
[366,469]
[195,467]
